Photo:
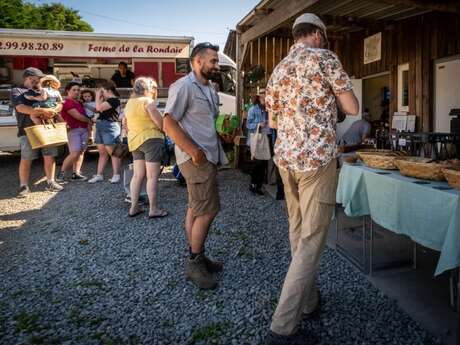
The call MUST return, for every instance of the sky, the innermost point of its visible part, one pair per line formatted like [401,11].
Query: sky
[205,20]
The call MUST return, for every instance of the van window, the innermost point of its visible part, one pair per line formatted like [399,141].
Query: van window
[227,83]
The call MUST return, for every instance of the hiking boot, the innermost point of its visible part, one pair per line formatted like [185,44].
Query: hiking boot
[76,176]
[53,186]
[314,314]
[23,192]
[213,266]
[278,339]
[197,272]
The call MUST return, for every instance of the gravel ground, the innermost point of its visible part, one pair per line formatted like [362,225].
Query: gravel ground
[76,270]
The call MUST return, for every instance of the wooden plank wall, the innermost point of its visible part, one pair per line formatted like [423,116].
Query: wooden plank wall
[417,41]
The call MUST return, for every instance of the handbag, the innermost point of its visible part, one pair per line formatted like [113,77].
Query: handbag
[260,145]
[120,150]
[48,134]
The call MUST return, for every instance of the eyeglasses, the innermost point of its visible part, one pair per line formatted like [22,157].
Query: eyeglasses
[205,45]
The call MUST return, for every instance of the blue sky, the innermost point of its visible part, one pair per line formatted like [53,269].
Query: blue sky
[205,20]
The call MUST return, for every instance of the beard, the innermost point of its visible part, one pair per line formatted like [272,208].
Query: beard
[209,74]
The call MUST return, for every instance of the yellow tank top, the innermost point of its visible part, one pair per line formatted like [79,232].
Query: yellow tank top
[140,125]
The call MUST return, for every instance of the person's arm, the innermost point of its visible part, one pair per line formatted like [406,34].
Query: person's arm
[28,110]
[272,104]
[78,116]
[366,132]
[340,84]
[176,107]
[132,78]
[181,139]
[348,103]
[124,124]
[101,105]
[154,113]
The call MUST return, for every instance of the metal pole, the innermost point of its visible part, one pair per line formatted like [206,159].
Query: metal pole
[336,225]
[364,245]
[371,250]
[266,61]
[458,306]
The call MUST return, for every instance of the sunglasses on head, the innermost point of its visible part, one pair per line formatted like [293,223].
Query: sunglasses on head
[200,46]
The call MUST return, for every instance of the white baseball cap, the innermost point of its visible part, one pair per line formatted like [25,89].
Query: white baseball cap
[310,18]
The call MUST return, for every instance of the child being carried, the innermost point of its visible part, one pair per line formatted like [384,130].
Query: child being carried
[47,96]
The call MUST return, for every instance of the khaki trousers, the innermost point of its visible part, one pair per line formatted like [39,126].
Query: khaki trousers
[310,199]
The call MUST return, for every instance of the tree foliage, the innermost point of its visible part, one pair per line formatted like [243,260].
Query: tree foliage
[17,14]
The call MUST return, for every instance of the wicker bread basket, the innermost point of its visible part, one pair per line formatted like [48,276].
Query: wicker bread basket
[452,176]
[360,153]
[379,161]
[421,168]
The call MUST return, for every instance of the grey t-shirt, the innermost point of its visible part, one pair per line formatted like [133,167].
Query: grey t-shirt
[195,107]
[17,98]
[354,134]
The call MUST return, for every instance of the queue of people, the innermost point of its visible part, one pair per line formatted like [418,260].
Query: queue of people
[300,105]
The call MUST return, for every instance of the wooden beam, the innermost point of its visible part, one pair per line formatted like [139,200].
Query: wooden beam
[276,18]
[441,5]
[262,11]
[240,52]
[348,21]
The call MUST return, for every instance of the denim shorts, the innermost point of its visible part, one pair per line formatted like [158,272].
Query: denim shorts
[28,153]
[107,132]
[78,139]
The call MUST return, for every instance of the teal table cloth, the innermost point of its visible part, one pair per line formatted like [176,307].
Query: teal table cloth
[426,211]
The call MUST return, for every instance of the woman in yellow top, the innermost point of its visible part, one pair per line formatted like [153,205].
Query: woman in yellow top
[144,125]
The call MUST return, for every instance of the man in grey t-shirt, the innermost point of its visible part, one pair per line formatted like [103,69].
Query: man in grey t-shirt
[189,120]
[24,109]
[358,131]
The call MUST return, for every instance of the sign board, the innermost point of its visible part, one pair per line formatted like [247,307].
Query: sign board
[182,66]
[373,48]
[92,48]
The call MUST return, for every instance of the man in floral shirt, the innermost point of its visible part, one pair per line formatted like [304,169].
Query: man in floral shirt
[302,97]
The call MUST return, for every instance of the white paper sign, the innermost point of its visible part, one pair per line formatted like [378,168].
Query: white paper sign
[373,48]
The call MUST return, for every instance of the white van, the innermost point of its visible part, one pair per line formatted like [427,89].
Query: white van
[228,85]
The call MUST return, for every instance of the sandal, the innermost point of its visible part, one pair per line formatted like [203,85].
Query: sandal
[162,214]
[138,212]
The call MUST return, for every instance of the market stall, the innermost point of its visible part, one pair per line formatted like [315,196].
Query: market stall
[415,201]
[91,58]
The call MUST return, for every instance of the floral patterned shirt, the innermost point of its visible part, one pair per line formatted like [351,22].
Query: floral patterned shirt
[301,98]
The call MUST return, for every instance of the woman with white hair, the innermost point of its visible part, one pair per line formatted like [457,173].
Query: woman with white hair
[144,126]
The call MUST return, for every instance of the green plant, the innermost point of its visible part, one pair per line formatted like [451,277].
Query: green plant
[254,74]
[209,333]
[27,322]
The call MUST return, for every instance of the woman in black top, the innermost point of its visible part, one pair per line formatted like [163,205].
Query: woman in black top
[108,131]
[123,77]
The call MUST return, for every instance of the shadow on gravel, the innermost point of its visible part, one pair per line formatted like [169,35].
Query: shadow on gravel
[79,271]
